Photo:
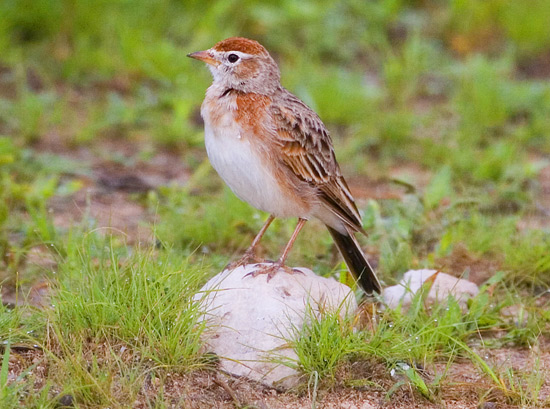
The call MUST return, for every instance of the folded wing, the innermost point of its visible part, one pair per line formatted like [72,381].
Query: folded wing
[308,152]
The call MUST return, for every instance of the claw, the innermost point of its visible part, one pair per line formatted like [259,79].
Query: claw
[252,274]
[271,269]
[297,271]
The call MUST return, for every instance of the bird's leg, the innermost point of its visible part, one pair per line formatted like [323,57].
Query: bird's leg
[250,252]
[273,268]
[282,259]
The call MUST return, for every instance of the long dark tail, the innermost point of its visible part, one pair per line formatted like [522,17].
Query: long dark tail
[356,260]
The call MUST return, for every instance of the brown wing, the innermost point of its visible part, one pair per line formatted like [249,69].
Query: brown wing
[308,152]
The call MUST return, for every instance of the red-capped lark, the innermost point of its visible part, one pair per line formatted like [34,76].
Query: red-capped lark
[275,153]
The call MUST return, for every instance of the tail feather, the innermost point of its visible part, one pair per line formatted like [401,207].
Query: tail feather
[356,260]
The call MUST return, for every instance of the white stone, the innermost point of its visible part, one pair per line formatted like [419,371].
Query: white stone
[443,285]
[250,320]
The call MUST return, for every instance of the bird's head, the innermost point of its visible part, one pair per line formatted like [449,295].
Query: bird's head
[241,64]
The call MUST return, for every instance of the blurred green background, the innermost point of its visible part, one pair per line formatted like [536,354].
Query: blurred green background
[111,217]
[439,110]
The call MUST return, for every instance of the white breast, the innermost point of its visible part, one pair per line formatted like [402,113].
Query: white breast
[243,169]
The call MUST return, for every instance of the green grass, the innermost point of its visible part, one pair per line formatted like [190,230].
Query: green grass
[446,105]
[411,341]
[106,302]
[143,299]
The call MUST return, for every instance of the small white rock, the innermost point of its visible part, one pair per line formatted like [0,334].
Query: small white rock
[251,319]
[443,286]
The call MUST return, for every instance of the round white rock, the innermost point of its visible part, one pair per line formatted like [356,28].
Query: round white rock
[443,286]
[251,320]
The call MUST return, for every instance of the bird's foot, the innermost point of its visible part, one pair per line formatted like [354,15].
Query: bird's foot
[271,269]
[245,259]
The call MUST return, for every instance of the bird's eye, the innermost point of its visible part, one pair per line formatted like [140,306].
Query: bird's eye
[232,58]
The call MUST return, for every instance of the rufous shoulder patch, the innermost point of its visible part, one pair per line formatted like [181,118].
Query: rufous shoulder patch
[252,111]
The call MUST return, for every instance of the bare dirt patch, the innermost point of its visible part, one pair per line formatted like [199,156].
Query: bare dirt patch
[464,386]
[112,189]
[462,263]
[537,67]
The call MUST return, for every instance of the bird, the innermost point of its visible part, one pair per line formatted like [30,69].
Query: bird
[275,153]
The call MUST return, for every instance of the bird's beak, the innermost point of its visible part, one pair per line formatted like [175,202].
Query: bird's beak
[204,56]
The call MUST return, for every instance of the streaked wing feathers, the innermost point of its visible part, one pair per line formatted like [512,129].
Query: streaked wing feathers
[308,152]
